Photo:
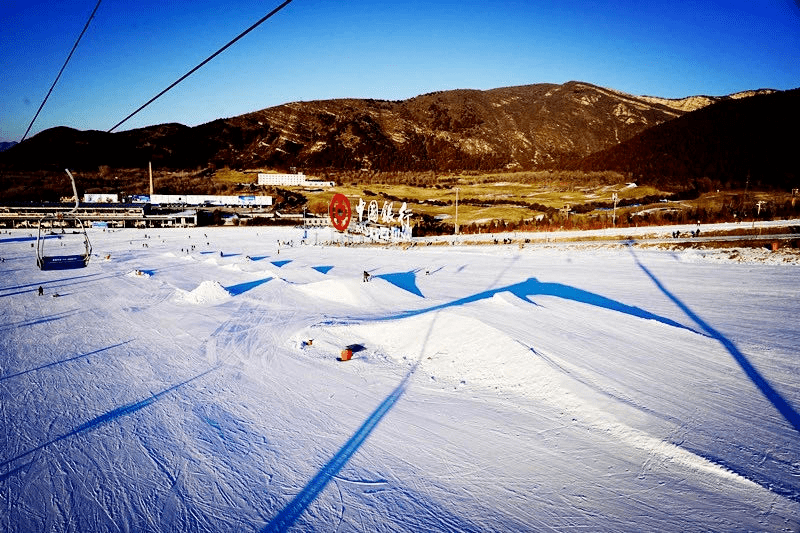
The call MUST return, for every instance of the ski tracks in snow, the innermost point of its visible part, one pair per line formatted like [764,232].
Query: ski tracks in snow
[536,407]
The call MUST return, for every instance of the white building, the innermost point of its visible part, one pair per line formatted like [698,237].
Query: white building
[298,180]
[207,199]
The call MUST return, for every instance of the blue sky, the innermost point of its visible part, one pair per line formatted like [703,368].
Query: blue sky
[320,49]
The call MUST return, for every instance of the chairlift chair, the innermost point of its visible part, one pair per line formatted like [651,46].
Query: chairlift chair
[67,218]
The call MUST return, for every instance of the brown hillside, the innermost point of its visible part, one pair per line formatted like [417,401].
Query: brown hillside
[526,127]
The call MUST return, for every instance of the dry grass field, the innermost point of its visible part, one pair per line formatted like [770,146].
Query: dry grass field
[566,198]
[481,197]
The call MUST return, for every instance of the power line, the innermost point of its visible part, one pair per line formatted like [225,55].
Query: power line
[209,58]
[61,71]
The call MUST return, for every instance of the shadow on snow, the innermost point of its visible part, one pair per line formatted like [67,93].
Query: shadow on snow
[323,269]
[533,287]
[405,280]
[98,421]
[41,320]
[62,361]
[19,239]
[289,514]
[236,290]
[46,282]
[758,380]
[63,282]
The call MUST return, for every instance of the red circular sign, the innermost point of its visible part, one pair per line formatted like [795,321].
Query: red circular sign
[340,211]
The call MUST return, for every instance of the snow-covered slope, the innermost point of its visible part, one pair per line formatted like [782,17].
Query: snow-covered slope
[492,388]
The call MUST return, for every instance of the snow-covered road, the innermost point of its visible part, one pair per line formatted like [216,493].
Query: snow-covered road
[188,381]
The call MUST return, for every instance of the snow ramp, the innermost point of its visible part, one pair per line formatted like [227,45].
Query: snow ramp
[459,351]
[206,292]
[352,292]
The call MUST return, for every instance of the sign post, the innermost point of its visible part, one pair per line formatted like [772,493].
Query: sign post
[339,211]
[379,225]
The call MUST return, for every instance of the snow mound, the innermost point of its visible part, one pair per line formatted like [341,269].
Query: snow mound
[354,291]
[206,292]
[453,347]
[462,351]
[334,290]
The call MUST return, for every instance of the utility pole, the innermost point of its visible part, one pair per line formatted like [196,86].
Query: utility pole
[456,211]
[614,216]
[150,166]
[746,186]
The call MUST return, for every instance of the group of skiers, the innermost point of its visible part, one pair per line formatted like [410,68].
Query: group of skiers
[677,234]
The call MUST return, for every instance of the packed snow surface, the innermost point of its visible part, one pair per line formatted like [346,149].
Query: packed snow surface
[207,292]
[188,380]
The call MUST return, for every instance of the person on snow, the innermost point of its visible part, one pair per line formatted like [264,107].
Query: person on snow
[41,290]
[366,276]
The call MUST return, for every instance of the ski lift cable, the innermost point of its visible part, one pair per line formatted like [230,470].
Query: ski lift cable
[74,46]
[209,58]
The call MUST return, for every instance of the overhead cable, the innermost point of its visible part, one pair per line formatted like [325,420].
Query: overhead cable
[209,58]
[61,71]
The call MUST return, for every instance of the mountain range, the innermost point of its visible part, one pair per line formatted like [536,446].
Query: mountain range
[744,142]
[574,125]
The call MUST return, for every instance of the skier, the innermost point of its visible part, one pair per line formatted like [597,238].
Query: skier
[366,276]
[41,290]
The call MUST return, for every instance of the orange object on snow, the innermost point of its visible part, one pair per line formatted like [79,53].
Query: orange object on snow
[347,353]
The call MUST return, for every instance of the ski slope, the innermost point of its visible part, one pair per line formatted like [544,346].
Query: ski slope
[187,380]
